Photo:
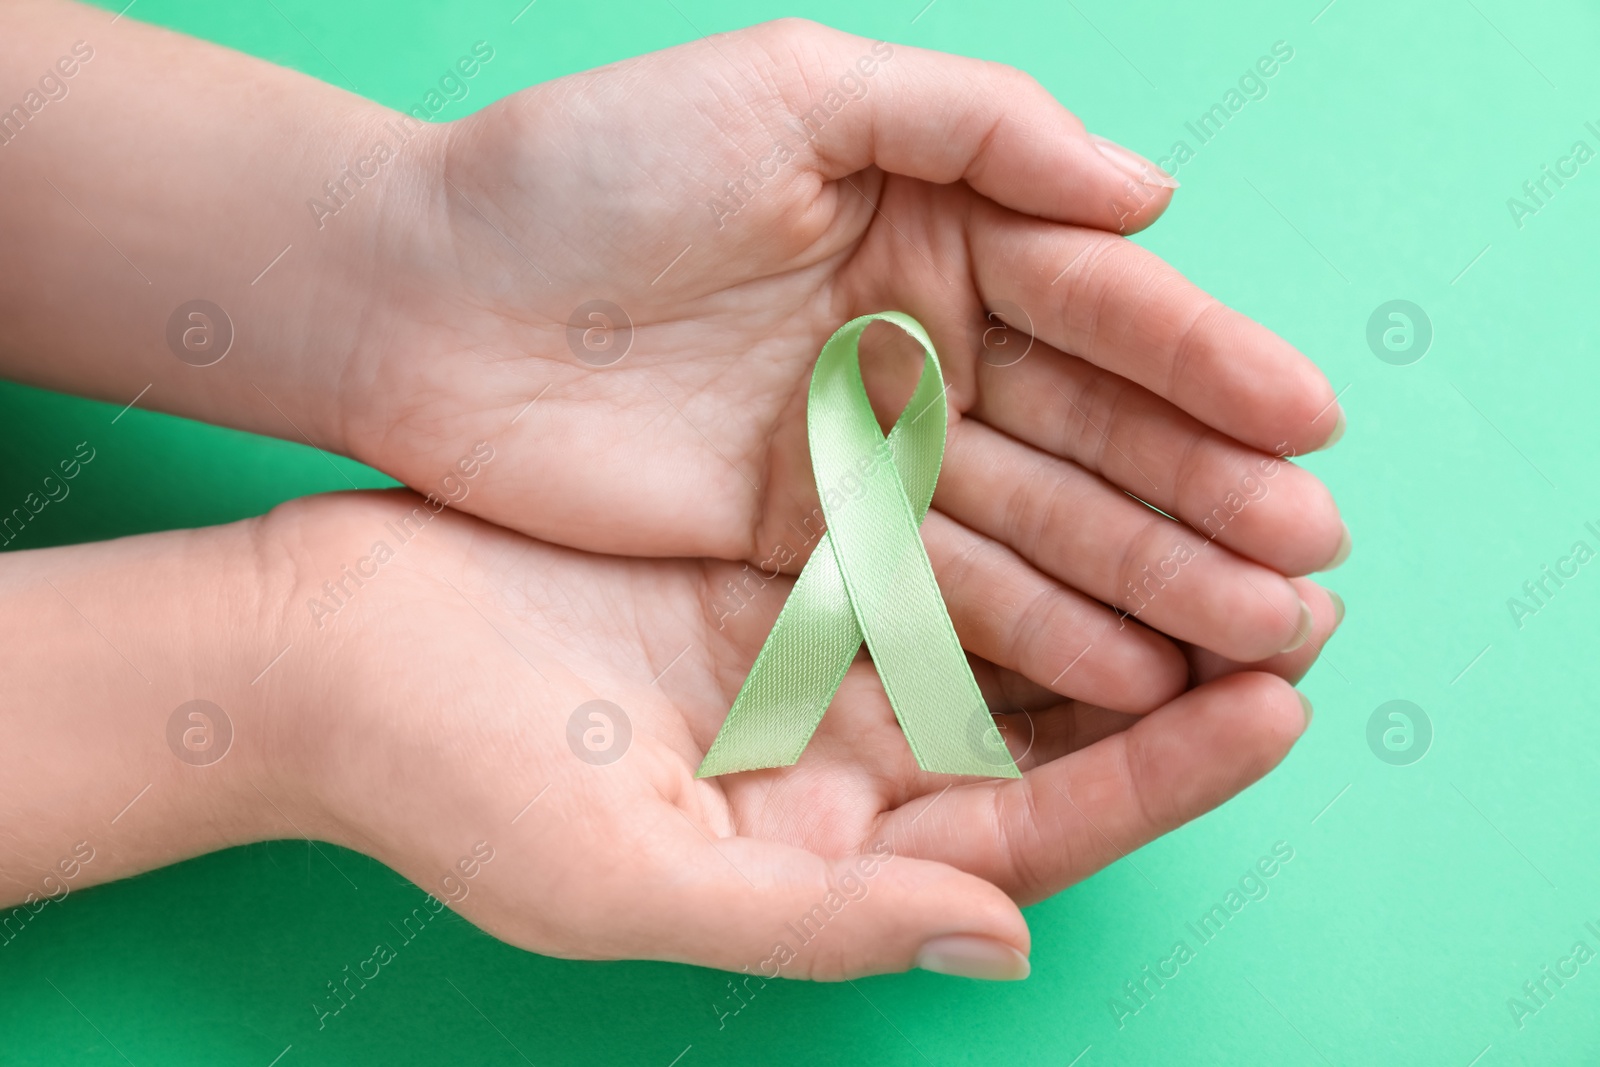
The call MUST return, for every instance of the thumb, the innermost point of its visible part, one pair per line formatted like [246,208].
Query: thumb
[945,118]
[775,911]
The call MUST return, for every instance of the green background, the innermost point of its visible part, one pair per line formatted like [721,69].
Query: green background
[1419,898]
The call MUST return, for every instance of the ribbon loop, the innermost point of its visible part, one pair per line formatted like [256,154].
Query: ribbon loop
[868,579]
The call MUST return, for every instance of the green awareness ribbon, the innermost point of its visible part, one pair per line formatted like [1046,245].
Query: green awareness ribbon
[868,579]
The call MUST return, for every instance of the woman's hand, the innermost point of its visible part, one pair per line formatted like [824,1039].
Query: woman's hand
[625,276]
[423,687]
[456,716]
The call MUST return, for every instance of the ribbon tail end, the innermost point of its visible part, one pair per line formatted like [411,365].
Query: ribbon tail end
[720,763]
[986,769]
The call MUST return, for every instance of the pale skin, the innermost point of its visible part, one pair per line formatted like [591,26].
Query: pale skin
[427,313]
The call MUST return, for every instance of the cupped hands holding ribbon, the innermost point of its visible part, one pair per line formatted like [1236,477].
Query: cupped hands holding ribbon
[998,571]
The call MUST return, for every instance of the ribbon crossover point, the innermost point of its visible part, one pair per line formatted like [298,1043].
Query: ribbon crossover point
[869,580]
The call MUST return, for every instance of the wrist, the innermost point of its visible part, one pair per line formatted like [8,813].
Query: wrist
[352,303]
[285,219]
[159,742]
[339,286]
[332,568]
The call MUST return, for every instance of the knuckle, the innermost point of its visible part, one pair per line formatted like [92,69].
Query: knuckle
[1134,776]
[1099,400]
[1190,480]
[1032,626]
[1014,816]
[1194,352]
[1137,553]
[790,35]
[1092,270]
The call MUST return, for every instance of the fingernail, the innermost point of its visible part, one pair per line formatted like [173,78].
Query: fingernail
[1338,432]
[1342,553]
[967,956]
[1302,630]
[1306,704]
[1134,165]
[1338,607]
